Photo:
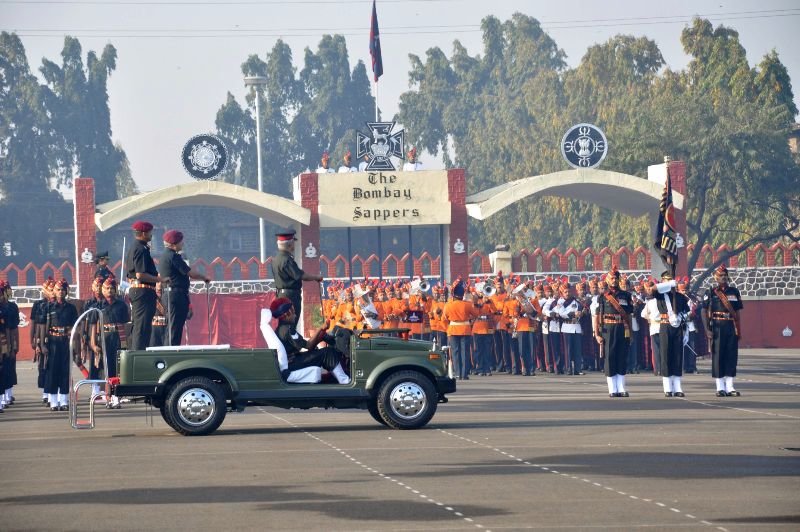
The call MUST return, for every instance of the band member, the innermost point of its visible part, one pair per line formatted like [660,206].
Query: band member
[652,316]
[483,334]
[347,167]
[673,309]
[287,274]
[459,331]
[173,267]
[554,349]
[329,357]
[570,312]
[111,338]
[324,163]
[39,316]
[61,319]
[612,331]
[102,270]
[9,344]
[143,277]
[721,307]
[438,323]
[502,340]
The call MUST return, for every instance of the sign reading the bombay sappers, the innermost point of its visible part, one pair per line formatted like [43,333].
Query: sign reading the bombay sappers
[368,199]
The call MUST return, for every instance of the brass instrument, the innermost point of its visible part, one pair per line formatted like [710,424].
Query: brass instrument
[366,307]
[523,295]
[487,288]
[419,286]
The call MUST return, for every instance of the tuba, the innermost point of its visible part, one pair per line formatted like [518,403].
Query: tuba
[419,286]
[521,293]
[487,288]
[367,308]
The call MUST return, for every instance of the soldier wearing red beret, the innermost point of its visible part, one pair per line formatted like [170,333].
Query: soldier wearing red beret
[143,277]
[173,267]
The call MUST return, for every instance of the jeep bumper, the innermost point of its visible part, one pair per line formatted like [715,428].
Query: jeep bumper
[445,385]
[146,390]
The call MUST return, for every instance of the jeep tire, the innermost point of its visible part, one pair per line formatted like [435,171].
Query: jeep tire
[372,407]
[195,406]
[407,400]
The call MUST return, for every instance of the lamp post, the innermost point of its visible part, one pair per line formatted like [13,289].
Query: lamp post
[258,81]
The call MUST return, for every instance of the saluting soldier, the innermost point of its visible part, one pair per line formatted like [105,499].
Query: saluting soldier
[721,307]
[174,268]
[62,317]
[143,277]
[612,326]
[287,274]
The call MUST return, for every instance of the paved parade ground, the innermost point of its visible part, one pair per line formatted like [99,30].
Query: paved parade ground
[507,453]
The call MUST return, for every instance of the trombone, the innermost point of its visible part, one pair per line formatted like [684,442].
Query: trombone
[487,288]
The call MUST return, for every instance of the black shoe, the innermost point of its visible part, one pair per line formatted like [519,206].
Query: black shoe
[517,373]
[667,394]
[489,374]
[550,371]
[466,378]
[613,395]
[63,408]
[624,394]
[45,401]
[721,393]
[580,373]
[680,394]
[54,409]
[734,393]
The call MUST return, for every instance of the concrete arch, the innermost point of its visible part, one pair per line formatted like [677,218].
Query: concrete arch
[624,193]
[275,209]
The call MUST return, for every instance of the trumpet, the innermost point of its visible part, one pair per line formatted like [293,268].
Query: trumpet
[486,288]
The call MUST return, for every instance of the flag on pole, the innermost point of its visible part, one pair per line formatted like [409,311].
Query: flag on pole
[375,45]
[666,235]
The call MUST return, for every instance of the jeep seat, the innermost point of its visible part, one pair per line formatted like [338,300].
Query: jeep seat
[312,374]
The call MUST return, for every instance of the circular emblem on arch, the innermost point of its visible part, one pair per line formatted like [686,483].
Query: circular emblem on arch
[204,157]
[584,146]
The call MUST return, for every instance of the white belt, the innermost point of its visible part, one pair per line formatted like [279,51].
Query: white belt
[459,323]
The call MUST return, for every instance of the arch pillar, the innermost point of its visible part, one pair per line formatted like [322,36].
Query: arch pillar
[307,188]
[456,263]
[85,234]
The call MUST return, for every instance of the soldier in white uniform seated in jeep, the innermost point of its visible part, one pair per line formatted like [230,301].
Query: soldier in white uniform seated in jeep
[326,357]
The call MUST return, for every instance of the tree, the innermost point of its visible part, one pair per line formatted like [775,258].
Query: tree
[81,116]
[29,141]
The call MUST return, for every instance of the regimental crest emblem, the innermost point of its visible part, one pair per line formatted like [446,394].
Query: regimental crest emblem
[584,146]
[204,157]
[380,146]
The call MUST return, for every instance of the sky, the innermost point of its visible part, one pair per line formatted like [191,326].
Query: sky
[178,59]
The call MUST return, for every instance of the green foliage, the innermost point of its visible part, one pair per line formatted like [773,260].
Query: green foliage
[504,113]
[302,114]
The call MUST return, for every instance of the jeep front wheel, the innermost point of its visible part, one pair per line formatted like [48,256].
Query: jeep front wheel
[407,400]
[196,406]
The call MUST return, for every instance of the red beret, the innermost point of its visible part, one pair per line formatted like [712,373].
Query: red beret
[173,236]
[280,306]
[142,227]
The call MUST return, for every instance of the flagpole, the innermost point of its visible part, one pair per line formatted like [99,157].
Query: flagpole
[376,101]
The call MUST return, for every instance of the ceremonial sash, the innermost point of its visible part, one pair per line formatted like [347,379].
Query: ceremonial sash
[727,304]
[614,303]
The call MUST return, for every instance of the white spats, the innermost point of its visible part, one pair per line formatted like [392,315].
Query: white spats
[340,375]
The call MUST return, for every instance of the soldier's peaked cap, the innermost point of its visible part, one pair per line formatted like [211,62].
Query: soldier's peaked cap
[285,234]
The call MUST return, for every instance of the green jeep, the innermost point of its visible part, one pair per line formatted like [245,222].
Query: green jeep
[400,382]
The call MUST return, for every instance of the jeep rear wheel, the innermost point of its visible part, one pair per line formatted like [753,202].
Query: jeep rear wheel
[407,400]
[195,406]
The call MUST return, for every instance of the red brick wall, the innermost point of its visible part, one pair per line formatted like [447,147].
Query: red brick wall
[309,198]
[457,191]
[85,237]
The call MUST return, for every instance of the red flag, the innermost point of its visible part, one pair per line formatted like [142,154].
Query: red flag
[375,45]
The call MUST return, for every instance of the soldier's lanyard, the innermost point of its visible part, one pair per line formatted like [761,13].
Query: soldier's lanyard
[723,298]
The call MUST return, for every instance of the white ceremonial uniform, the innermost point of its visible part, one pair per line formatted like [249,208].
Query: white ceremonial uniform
[412,167]
[322,170]
[564,311]
[362,166]
[542,302]
[346,169]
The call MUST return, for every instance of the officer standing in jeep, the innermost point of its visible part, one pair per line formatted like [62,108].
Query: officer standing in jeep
[287,274]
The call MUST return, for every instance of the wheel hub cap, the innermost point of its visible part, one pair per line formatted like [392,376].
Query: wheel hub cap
[196,406]
[407,400]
